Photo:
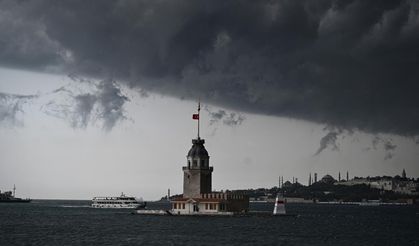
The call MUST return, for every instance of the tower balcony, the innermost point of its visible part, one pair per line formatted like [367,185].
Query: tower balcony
[198,168]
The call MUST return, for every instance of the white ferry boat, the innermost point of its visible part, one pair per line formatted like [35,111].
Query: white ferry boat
[117,202]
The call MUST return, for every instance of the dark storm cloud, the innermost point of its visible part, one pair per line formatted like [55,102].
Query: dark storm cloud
[389,148]
[229,119]
[387,145]
[104,103]
[233,119]
[329,141]
[111,104]
[216,116]
[348,64]
[11,106]
[83,110]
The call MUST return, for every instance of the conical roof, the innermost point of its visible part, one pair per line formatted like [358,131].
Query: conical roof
[198,149]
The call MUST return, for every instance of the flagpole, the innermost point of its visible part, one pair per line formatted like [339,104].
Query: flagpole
[199,116]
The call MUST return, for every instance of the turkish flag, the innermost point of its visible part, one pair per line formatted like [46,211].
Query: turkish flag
[195,116]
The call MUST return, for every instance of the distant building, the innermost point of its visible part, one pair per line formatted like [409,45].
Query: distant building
[383,184]
[328,179]
[406,187]
[287,184]
[397,184]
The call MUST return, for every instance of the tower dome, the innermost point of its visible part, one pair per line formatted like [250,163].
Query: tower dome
[198,150]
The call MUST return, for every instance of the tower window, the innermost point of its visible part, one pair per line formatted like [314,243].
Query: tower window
[189,164]
[195,163]
[202,163]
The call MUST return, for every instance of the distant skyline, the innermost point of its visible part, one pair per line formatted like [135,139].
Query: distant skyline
[97,98]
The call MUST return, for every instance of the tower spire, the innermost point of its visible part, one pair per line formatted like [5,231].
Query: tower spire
[196,116]
[199,110]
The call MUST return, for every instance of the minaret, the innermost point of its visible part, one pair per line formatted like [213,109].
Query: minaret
[315,177]
[197,174]
[347,175]
[404,174]
[309,179]
[339,177]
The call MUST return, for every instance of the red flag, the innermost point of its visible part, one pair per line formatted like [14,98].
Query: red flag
[195,116]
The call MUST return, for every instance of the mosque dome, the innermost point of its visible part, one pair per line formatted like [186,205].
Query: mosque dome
[198,149]
[328,179]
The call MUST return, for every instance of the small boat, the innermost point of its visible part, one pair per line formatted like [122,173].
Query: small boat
[121,201]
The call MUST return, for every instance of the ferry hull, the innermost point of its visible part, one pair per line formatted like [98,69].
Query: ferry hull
[16,201]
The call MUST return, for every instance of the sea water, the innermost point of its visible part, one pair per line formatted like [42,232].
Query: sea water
[48,222]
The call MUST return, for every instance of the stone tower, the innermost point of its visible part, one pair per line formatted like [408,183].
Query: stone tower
[197,173]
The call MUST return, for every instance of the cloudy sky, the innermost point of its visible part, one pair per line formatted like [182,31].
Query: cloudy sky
[96,97]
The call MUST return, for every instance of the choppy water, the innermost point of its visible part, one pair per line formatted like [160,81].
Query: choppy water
[75,223]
